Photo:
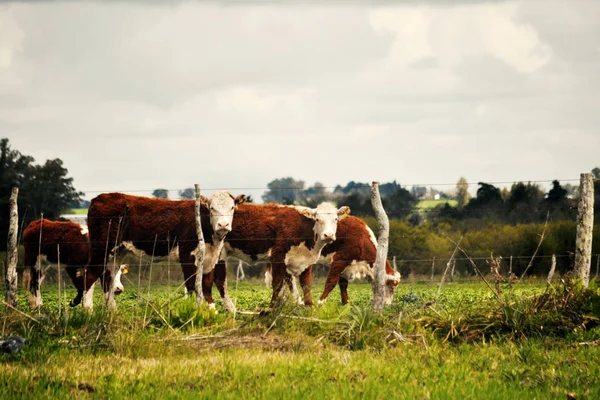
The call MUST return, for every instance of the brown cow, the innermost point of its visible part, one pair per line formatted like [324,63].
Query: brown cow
[155,226]
[350,257]
[73,242]
[290,238]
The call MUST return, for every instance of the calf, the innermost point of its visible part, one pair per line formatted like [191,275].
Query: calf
[350,257]
[44,238]
[157,227]
[290,238]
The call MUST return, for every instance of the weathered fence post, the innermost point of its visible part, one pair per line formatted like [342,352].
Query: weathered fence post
[382,249]
[432,267]
[199,250]
[452,271]
[11,251]
[552,268]
[585,227]
[58,272]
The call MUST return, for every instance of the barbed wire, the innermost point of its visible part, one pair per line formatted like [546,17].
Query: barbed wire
[359,185]
[429,261]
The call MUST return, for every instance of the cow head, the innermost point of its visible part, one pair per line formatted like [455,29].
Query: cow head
[118,286]
[326,217]
[222,206]
[392,279]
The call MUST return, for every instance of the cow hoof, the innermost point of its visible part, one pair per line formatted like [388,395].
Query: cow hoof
[75,302]
[321,302]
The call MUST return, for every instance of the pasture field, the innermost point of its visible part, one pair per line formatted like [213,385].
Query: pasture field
[534,343]
[426,204]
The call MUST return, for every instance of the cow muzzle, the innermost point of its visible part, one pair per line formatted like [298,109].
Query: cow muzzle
[119,289]
[328,237]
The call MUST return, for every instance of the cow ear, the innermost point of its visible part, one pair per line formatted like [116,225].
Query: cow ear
[308,212]
[240,199]
[343,212]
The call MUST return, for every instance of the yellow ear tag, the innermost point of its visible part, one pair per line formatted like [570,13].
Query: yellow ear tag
[125,270]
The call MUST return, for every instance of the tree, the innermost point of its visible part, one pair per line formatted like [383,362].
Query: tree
[187,194]
[462,192]
[488,204]
[42,188]
[559,204]
[596,172]
[400,204]
[315,194]
[284,191]
[163,193]
[522,202]
[418,191]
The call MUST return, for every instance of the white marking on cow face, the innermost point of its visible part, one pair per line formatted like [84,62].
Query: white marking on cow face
[222,205]
[84,230]
[118,287]
[326,218]
[391,282]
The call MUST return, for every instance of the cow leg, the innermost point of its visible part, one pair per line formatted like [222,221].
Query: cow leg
[279,275]
[221,283]
[333,277]
[90,276]
[306,283]
[107,285]
[291,282]
[76,275]
[344,290]
[207,282]
[35,295]
[188,268]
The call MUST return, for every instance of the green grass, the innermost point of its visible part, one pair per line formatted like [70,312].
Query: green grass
[82,211]
[426,204]
[465,345]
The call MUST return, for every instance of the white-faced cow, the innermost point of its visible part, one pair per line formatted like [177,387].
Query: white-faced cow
[350,257]
[155,227]
[290,238]
[44,238]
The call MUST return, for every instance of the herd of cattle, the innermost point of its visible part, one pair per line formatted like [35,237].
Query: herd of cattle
[290,238]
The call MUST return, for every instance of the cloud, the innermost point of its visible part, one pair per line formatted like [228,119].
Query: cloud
[142,96]
[450,35]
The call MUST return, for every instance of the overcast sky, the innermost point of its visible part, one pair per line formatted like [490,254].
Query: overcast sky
[134,96]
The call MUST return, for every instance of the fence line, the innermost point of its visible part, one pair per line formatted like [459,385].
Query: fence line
[333,187]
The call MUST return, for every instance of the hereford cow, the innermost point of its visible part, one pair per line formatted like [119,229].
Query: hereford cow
[155,227]
[46,238]
[350,257]
[290,238]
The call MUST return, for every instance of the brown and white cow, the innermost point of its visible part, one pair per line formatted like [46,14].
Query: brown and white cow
[291,239]
[155,226]
[45,238]
[350,257]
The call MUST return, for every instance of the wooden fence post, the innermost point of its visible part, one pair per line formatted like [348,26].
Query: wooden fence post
[585,226]
[382,249]
[11,251]
[200,250]
[552,268]
[432,267]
